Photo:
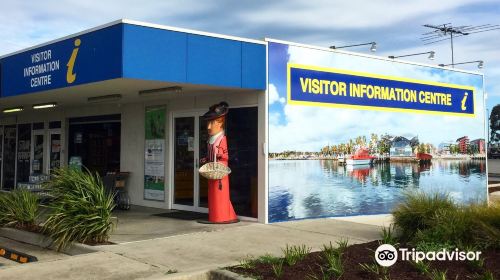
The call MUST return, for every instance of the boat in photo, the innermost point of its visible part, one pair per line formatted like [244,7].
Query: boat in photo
[360,157]
[423,157]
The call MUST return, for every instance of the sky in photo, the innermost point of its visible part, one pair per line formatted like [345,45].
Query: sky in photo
[309,128]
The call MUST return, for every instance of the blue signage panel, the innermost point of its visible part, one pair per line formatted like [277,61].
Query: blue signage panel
[91,57]
[317,86]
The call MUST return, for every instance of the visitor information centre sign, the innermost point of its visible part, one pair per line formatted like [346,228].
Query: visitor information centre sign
[80,59]
[311,85]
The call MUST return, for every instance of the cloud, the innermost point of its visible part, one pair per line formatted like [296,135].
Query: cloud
[324,14]
[273,94]
[309,128]
[395,25]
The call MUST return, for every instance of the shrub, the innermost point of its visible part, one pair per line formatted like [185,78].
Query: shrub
[19,208]
[435,220]
[81,209]
[417,212]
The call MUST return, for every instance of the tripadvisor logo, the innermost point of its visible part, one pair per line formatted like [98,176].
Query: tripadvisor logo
[387,255]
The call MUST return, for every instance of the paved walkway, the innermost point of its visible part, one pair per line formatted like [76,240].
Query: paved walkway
[140,223]
[195,251]
[41,253]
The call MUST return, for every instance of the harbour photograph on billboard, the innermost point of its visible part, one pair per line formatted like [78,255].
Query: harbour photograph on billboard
[350,134]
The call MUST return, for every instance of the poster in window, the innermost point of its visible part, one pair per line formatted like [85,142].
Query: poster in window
[154,152]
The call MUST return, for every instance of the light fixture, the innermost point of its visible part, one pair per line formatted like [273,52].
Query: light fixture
[45,105]
[480,63]
[104,98]
[373,46]
[160,90]
[432,55]
[13,109]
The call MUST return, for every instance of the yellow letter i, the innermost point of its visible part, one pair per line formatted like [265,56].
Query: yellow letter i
[70,76]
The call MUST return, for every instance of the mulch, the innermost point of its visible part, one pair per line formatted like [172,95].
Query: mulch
[356,254]
[94,243]
[493,189]
[30,228]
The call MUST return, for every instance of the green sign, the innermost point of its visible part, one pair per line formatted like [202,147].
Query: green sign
[154,151]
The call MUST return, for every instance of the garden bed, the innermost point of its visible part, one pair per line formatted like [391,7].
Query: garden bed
[316,266]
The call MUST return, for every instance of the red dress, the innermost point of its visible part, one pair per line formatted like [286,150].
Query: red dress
[220,208]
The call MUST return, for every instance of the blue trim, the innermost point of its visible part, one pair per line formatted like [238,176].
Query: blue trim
[154,54]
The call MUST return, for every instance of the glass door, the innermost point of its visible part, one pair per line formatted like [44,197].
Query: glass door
[190,144]
[190,189]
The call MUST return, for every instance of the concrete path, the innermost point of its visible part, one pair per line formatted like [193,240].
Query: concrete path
[198,251]
[41,253]
[140,223]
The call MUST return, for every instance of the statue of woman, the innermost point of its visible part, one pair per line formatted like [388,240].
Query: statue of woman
[220,208]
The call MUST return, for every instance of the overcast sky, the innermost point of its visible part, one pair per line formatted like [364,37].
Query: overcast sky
[396,26]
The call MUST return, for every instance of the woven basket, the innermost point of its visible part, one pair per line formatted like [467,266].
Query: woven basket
[214,170]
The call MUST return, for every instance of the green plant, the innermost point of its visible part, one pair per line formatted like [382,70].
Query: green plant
[342,244]
[435,220]
[477,264]
[370,268]
[278,269]
[293,254]
[388,236]
[437,275]
[268,259]
[417,210]
[323,276]
[428,246]
[376,269]
[488,275]
[334,264]
[19,208]
[246,263]
[422,267]
[81,209]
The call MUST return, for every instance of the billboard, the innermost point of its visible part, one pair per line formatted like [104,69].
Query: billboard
[349,134]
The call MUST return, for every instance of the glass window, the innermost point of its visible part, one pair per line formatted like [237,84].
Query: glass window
[38,126]
[241,131]
[23,152]
[9,157]
[54,124]
[55,151]
[38,147]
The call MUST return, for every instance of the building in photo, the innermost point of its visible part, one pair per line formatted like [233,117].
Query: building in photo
[463,144]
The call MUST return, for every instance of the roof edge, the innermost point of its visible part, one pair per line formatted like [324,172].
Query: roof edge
[115,22]
[138,23]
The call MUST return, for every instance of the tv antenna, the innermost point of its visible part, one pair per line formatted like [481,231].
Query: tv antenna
[447,31]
